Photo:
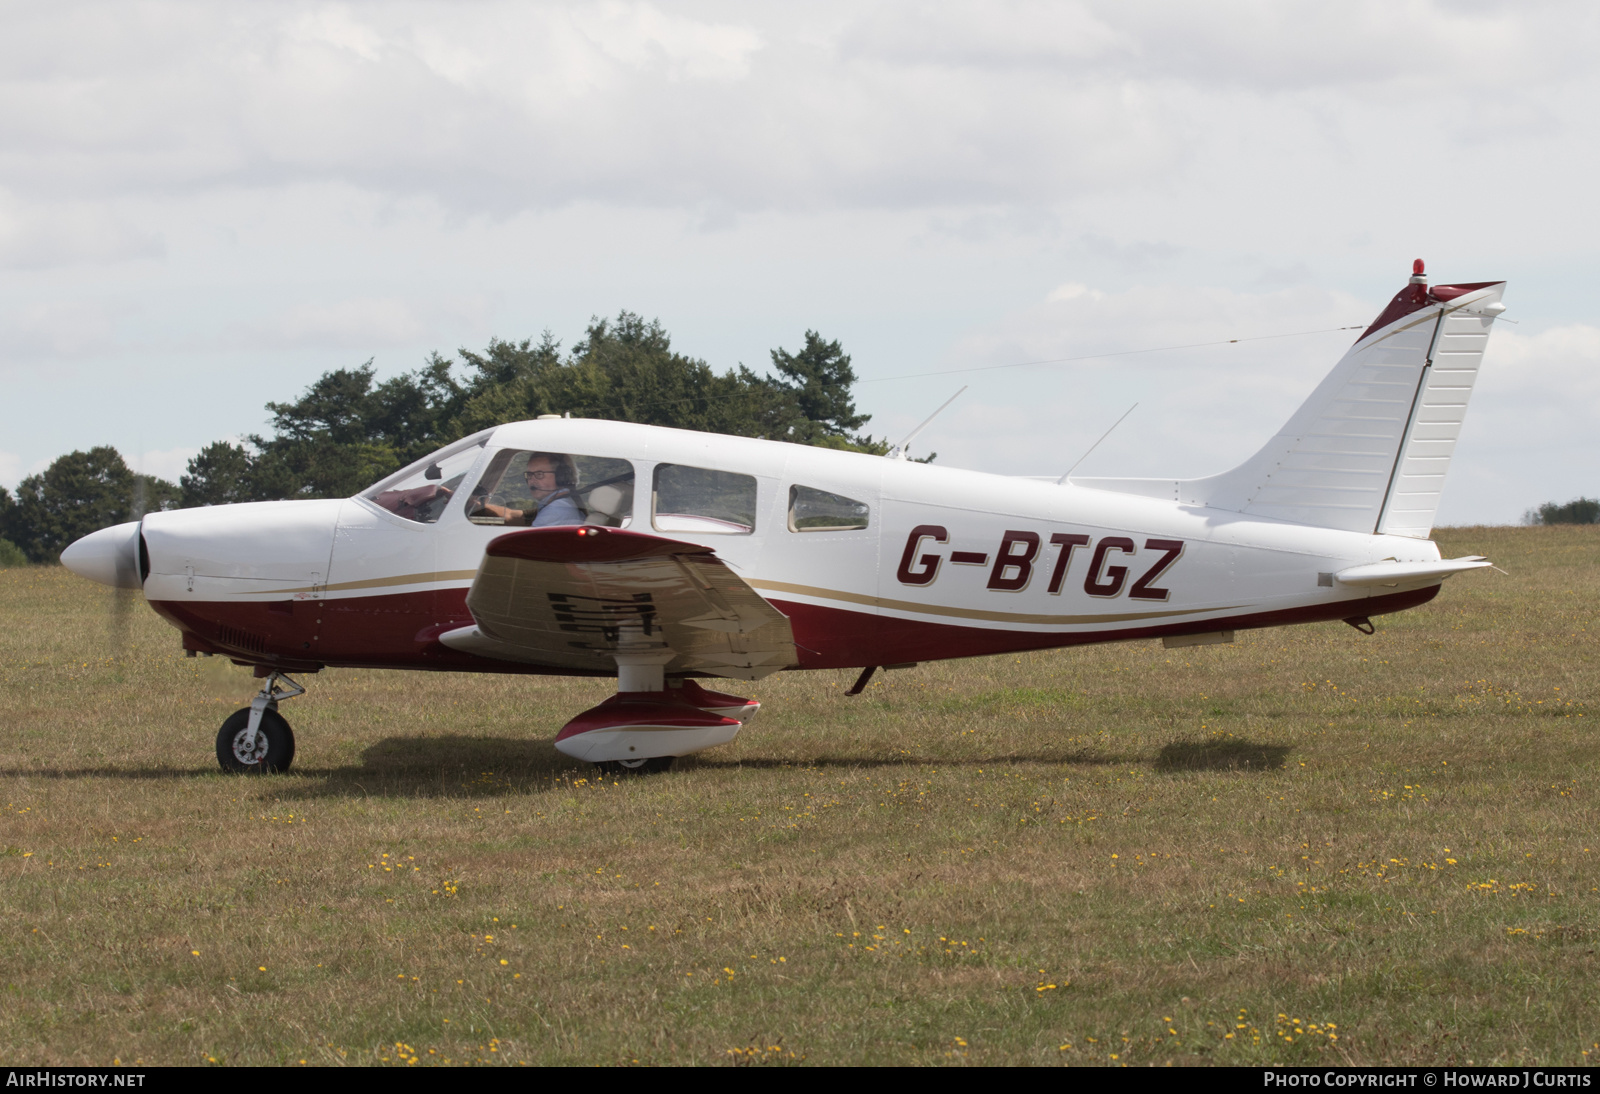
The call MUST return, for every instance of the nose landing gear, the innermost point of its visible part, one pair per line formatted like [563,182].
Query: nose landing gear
[256,739]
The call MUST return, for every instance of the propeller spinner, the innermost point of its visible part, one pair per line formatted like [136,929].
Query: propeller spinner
[109,556]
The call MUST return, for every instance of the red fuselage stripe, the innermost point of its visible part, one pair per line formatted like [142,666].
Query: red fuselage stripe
[401,630]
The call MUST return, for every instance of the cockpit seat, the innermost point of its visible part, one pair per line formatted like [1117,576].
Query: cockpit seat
[610,505]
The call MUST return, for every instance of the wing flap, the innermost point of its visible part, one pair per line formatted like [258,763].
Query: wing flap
[571,596]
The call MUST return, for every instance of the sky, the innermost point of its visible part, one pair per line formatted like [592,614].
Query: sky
[203,207]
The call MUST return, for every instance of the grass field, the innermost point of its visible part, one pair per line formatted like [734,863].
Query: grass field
[1308,847]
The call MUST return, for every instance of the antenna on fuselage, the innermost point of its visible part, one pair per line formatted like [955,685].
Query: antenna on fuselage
[1096,444]
[898,452]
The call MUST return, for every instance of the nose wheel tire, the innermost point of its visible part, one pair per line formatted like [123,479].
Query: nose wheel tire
[274,750]
[650,766]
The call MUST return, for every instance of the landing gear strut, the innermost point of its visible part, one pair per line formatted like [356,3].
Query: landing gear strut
[256,739]
[651,720]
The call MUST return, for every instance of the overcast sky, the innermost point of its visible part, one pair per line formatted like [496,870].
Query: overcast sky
[205,206]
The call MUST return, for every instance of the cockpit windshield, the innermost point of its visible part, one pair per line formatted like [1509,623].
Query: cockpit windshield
[532,489]
[423,491]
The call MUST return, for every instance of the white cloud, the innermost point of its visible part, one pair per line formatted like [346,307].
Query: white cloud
[56,330]
[505,107]
[989,35]
[643,37]
[359,324]
[167,463]
[15,468]
[42,234]
[1530,434]
[1205,401]
[355,323]
[1071,291]
[336,25]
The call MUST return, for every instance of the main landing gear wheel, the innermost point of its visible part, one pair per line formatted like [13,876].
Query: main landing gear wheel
[651,766]
[274,750]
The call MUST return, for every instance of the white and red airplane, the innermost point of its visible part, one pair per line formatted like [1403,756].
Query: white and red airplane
[660,556]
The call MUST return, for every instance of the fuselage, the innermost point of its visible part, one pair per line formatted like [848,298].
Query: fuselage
[886,562]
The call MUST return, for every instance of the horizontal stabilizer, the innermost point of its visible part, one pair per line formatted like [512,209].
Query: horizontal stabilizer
[1393,573]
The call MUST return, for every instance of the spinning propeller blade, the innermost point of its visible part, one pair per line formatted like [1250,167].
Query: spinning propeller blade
[122,596]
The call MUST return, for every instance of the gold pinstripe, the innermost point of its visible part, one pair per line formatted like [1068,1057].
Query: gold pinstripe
[380,582]
[972,613]
[805,590]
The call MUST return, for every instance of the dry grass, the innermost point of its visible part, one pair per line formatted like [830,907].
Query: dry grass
[1311,846]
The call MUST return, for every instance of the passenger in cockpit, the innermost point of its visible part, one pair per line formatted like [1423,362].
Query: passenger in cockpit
[551,479]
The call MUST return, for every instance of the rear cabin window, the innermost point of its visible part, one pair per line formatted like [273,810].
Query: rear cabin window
[530,489]
[813,510]
[700,500]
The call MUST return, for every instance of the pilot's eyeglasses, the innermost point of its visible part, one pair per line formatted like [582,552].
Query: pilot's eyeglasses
[536,475]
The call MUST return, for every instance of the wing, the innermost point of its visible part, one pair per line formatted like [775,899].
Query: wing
[570,596]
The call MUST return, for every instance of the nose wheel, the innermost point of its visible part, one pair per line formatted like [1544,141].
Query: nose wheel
[271,752]
[256,739]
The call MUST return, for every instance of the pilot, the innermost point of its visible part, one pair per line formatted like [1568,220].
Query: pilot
[551,479]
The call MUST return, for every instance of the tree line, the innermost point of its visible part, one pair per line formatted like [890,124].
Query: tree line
[349,429]
[1576,511]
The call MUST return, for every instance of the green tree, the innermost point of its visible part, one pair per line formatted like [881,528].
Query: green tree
[509,381]
[406,414]
[624,370]
[347,430]
[153,495]
[219,474]
[505,363]
[342,434]
[316,468]
[1576,511]
[79,493]
[10,553]
[814,399]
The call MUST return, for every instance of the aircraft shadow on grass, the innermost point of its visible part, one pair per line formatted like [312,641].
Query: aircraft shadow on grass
[435,767]
[477,766]
[1229,755]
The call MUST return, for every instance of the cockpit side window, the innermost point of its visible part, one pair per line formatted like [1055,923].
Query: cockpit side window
[813,510]
[526,488]
[701,500]
[423,492]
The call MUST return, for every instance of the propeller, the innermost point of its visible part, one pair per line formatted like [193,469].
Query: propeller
[126,592]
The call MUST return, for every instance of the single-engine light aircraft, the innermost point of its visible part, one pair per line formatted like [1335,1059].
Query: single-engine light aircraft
[665,557]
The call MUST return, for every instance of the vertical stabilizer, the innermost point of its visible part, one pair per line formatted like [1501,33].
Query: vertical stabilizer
[1369,450]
